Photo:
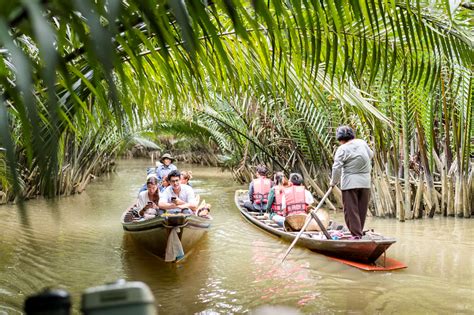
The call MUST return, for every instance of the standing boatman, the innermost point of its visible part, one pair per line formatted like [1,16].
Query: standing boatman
[352,167]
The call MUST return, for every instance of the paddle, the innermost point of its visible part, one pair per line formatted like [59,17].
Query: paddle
[307,221]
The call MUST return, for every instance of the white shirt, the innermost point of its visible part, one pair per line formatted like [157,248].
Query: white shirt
[308,197]
[186,194]
[143,199]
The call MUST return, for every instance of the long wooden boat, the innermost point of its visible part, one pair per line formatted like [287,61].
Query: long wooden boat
[365,251]
[152,234]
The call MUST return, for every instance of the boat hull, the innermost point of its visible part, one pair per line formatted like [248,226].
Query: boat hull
[153,234]
[364,251]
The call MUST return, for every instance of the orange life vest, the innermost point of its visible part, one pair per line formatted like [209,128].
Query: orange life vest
[261,188]
[295,200]
[277,203]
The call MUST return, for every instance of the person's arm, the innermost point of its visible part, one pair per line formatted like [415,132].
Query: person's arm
[190,203]
[251,191]
[141,202]
[308,197]
[337,166]
[164,201]
[271,199]
[371,153]
[167,205]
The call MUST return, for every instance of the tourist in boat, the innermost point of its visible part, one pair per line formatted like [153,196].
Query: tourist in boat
[164,184]
[177,197]
[166,166]
[148,200]
[352,167]
[161,171]
[297,197]
[259,189]
[186,177]
[275,198]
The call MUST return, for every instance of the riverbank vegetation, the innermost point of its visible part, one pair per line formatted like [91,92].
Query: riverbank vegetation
[264,81]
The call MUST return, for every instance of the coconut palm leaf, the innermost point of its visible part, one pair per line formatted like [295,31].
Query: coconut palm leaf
[132,63]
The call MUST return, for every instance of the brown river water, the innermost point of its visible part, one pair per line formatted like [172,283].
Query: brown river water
[77,242]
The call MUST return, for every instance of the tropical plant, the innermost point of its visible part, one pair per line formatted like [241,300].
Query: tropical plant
[300,68]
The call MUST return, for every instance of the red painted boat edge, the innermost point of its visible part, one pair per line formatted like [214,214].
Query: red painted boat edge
[382,264]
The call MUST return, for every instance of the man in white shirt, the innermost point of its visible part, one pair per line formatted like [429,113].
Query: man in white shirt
[177,197]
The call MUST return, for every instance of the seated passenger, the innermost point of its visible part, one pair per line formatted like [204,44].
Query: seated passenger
[204,209]
[297,199]
[259,189]
[144,187]
[185,177]
[276,198]
[165,167]
[161,170]
[177,197]
[148,200]
[164,183]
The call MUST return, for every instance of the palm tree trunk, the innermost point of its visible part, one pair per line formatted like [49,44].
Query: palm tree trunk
[432,199]
[446,117]
[406,163]
[458,197]
[444,182]
[450,201]
[418,202]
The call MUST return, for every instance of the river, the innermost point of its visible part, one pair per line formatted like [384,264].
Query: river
[77,242]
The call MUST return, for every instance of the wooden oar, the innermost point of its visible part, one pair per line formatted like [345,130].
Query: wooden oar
[307,221]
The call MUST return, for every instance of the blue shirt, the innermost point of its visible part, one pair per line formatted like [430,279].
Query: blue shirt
[163,170]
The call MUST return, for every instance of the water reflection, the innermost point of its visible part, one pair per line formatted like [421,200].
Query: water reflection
[168,281]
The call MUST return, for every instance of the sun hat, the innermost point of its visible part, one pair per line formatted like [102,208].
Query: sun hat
[166,156]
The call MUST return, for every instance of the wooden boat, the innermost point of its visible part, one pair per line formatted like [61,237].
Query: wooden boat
[152,234]
[364,251]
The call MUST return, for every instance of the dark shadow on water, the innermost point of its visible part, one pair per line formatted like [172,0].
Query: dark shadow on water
[23,215]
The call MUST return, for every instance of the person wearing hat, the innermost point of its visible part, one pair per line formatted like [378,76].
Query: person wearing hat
[165,167]
[352,167]
[161,171]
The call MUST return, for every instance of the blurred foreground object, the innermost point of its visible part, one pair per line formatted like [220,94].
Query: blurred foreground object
[48,302]
[119,298]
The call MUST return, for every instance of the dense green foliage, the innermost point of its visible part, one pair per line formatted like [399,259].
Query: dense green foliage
[268,80]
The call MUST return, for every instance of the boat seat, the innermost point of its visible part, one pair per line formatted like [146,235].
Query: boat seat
[274,225]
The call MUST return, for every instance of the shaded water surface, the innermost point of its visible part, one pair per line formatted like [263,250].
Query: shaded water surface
[77,242]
